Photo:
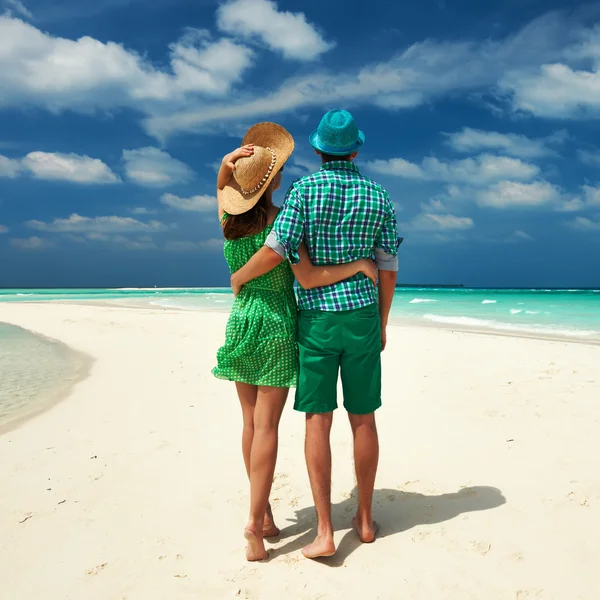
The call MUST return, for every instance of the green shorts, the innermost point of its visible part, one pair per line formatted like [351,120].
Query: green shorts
[349,341]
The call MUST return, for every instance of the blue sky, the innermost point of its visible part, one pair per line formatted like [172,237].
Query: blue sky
[481,119]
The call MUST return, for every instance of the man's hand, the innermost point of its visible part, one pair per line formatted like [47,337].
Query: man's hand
[387,287]
[236,286]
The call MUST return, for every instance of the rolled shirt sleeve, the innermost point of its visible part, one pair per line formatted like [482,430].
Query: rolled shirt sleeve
[271,242]
[388,240]
[288,230]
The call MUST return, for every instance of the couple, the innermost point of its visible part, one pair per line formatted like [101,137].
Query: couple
[332,224]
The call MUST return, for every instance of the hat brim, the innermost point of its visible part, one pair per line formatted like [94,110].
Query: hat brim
[231,199]
[317,144]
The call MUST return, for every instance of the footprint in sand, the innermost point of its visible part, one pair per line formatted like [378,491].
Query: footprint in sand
[528,594]
[482,548]
[97,569]
[420,536]
[517,556]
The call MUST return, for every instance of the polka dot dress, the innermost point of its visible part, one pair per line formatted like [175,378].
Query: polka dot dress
[260,339]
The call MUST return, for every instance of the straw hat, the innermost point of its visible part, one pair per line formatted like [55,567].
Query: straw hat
[273,145]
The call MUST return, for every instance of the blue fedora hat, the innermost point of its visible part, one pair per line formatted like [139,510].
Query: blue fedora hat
[337,134]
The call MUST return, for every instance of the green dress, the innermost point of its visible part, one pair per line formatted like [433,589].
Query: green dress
[260,339]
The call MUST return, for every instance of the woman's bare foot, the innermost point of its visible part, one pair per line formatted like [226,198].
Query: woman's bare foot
[256,546]
[269,527]
[365,532]
[322,546]
[270,530]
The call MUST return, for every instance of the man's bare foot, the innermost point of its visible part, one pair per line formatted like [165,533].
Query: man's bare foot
[320,548]
[256,546]
[365,532]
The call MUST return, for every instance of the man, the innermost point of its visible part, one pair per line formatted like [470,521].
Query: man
[341,216]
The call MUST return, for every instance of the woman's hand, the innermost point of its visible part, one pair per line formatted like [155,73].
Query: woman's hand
[230,159]
[228,166]
[368,268]
[236,286]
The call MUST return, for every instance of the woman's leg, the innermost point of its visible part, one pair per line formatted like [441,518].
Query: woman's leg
[247,394]
[263,456]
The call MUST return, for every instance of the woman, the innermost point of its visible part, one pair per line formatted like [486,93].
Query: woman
[260,353]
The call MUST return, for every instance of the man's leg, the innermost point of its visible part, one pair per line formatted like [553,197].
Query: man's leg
[316,396]
[318,460]
[361,379]
[366,458]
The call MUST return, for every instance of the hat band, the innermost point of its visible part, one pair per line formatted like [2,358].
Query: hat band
[265,178]
[334,150]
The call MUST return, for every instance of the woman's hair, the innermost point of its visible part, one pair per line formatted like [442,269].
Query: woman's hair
[248,223]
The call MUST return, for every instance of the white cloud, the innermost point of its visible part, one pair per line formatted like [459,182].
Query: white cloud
[3,229]
[479,170]
[142,210]
[200,65]
[19,8]
[567,87]
[421,73]
[284,31]
[180,246]
[398,167]
[152,167]
[591,195]
[573,204]
[556,91]
[212,245]
[87,75]
[519,236]
[108,224]
[589,157]
[31,243]
[585,224]
[194,203]
[9,167]
[58,167]
[301,166]
[513,144]
[513,194]
[439,222]
[144,242]
[191,92]
[441,202]
[435,205]
[68,167]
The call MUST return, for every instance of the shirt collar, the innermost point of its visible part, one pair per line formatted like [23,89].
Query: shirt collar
[334,165]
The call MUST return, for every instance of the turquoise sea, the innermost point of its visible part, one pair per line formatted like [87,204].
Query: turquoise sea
[33,369]
[563,313]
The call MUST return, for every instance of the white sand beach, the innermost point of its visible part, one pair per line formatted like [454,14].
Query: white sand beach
[133,487]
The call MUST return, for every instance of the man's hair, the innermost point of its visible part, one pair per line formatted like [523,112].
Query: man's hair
[330,157]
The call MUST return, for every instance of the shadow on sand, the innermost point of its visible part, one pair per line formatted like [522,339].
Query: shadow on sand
[395,511]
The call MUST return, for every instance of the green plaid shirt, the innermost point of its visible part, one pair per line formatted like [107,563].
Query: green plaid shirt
[341,216]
